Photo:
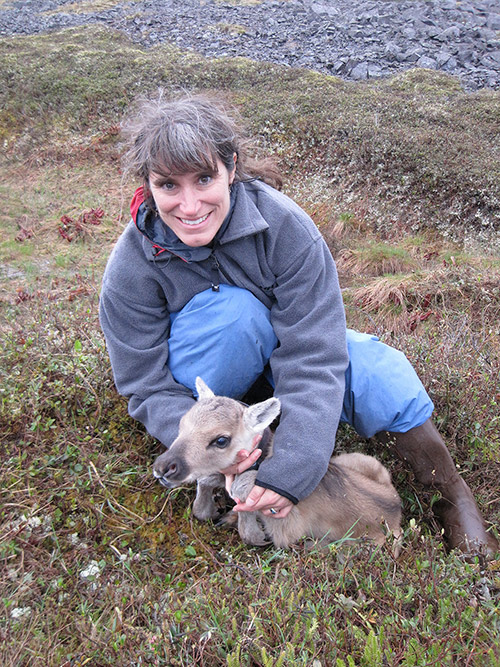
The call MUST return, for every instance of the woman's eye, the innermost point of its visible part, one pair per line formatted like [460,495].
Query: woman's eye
[168,186]
[221,442]
[205,179]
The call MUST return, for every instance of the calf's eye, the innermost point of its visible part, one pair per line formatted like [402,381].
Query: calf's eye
[221,442]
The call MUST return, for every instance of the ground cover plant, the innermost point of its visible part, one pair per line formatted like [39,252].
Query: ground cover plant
[99,565]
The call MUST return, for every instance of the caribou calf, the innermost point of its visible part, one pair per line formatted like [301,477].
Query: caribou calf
[355,498]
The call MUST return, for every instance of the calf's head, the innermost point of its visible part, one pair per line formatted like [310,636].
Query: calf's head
[211,433]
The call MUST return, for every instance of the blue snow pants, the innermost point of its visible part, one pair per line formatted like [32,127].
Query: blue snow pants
[227,339]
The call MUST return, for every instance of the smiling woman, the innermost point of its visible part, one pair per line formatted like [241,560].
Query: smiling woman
[193,205]
[220,275]
[188,154]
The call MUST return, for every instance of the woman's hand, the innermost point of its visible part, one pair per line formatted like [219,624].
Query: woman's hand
[244,460]
[268,502]
[259,499]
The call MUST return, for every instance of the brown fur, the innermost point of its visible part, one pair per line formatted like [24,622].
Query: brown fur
[355,498]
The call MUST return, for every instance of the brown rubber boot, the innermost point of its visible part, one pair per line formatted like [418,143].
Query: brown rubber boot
[424,449]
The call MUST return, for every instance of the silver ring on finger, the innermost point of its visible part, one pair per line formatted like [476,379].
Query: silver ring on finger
[273,510]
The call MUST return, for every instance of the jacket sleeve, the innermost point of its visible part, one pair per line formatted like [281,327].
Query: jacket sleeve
[308,368]
[135,321]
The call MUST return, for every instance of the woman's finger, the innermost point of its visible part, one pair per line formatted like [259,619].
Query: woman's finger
[244,460]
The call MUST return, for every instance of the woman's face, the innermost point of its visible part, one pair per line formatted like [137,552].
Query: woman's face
[193,204]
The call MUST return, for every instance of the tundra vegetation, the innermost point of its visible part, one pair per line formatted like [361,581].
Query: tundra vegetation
[100,564]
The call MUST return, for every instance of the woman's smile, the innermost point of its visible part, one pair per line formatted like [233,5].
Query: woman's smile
[198,221]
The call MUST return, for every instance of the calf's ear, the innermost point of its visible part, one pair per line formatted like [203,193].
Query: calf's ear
[257,417]
[203,390]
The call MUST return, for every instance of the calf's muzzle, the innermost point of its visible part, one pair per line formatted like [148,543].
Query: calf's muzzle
[170,469]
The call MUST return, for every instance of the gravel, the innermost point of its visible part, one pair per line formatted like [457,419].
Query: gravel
[352,39]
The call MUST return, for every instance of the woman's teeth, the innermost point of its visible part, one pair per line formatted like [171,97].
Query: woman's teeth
[195,222]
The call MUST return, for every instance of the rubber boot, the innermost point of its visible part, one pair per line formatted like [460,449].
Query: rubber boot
[425,451]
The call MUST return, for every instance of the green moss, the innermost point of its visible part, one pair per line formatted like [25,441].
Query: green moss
[425,81]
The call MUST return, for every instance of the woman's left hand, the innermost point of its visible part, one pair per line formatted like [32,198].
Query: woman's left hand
[266,501]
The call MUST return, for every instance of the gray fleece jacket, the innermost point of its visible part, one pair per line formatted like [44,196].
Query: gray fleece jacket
[269,246]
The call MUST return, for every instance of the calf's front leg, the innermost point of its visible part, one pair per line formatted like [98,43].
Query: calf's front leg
[250,524]
[204,506]
[243,484]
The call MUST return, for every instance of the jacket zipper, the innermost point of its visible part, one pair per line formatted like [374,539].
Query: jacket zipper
[215,273]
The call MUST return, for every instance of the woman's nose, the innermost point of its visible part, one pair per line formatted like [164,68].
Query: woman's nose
[188,202]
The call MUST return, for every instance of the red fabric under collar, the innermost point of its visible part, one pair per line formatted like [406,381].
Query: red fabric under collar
[137,200]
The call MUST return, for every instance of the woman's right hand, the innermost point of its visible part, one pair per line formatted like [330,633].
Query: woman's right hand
[244,460]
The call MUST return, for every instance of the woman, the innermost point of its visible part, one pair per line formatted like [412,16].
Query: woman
[222,276]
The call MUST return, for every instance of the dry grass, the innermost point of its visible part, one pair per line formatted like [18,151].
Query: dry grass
[375,259]
[412,297]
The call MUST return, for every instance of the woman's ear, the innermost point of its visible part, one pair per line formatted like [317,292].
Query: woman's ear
[232,173]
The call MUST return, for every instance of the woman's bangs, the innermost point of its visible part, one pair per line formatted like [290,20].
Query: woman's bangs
[182,150]
[170,163]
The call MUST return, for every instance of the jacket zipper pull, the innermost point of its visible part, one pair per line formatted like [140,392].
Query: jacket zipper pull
[157,250]
[215,274]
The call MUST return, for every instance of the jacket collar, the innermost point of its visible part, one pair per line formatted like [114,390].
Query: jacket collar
[245,218]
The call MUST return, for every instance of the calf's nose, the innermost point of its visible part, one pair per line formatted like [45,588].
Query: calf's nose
[167,470]
[170,467]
